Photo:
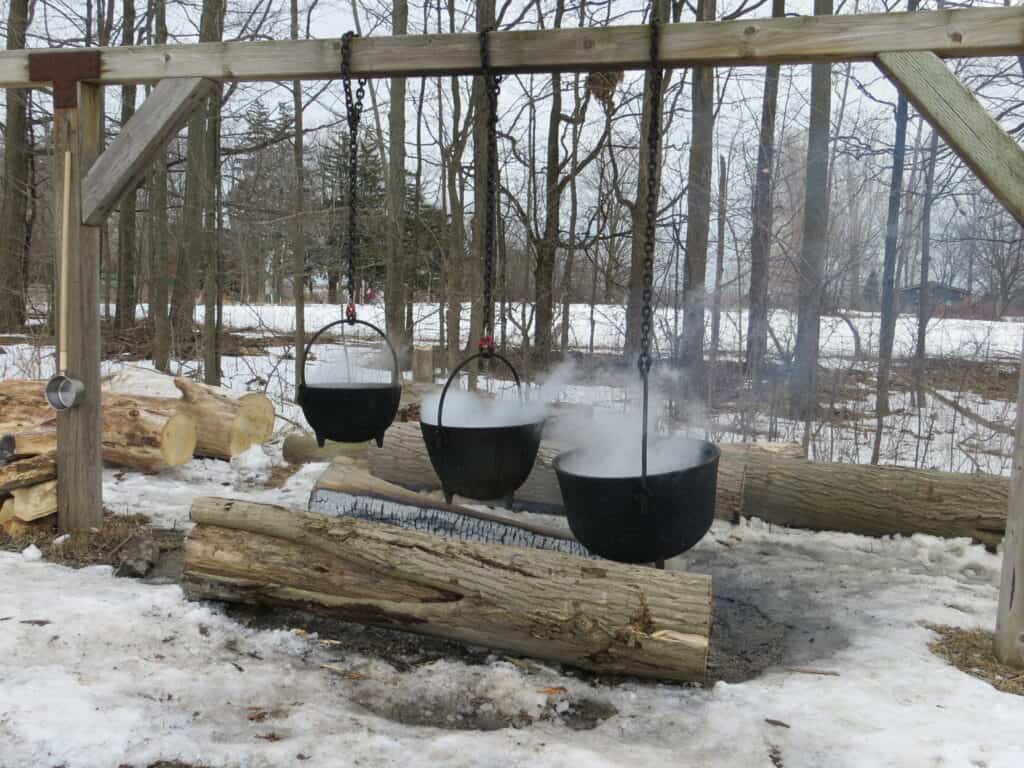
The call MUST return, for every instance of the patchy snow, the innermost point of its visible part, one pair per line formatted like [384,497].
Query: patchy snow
[99,671]
[166,498]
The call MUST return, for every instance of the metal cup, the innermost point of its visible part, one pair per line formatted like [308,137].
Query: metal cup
[63,392]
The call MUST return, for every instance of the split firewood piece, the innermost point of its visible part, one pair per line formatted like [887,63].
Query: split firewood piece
[33,502]
[31,442]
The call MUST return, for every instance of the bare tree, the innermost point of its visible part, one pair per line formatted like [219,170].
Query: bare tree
[13,224]
[760,241]
[810,271]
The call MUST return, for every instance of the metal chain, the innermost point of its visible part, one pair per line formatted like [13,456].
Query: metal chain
[492,89]
[655,76]
[353,112]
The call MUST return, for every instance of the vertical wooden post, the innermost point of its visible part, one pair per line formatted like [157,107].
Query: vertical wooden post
[1009,640]
[77,139]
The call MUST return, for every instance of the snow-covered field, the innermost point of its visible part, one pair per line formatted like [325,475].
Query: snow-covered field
[979,339]
[101,671]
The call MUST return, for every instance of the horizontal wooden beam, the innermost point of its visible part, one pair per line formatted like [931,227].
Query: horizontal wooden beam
[123,164]
[794,40]
[996,159]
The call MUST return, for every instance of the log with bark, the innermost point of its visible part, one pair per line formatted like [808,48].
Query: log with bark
[144,433]
[772,482]
[346,489]
[403,460]
[228,423]
[27,472]
[603,616]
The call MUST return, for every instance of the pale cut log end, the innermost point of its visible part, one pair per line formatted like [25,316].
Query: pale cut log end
[253,424]
[178,440]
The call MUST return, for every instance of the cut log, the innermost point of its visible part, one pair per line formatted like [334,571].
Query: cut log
[227,423]
[877,501]
[27,472]
[602,616]
[33,502]
[772,482]
[403,460]
[302,449]
[345,489]
[145,433]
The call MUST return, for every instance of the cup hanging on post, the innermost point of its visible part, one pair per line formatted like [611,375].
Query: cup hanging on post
[62,391]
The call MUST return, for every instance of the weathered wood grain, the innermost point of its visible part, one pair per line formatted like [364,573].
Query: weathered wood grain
[996,158]
[603,616]
[129,156]
[742,42]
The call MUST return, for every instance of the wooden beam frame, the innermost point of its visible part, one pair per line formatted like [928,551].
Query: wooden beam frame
[77,139]
[123,164]
[968,128]
[753,42]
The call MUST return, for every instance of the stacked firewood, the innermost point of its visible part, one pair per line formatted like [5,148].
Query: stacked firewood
[151,422]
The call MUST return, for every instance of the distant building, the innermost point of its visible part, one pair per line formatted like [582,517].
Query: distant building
[939,295]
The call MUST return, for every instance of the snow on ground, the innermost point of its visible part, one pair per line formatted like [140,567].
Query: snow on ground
[124,672]
[946,337]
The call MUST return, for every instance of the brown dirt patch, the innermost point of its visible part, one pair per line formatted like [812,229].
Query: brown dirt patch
[96,547]
[970,651]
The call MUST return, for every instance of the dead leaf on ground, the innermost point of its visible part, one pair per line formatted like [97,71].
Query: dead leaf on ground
[256,715]
[348,674]
[269,736]
[553,691]
[776,723]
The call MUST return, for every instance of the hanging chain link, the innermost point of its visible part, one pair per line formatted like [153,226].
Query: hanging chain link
[353,112]
[492,89]
[655,77]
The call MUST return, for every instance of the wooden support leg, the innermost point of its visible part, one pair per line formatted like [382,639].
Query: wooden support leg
[77,136]
[1009,638]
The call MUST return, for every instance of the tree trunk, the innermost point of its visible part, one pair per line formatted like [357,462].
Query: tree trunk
[161,261]
[924,300]
[811,266]
[13,225]
[716,307]
[191,261]
[698,219]
[638,213]
[887,332]
[395,294]
[127,298]
[299,227]
[621,619]
[474,272]
[547,248]
[211,233]
[761,239]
